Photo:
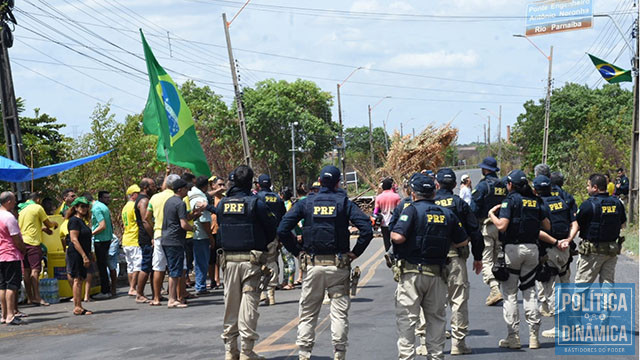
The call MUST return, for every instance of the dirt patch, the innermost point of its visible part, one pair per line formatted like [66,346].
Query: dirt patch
[53,330]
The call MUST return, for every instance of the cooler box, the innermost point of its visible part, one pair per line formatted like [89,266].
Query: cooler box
[56,264]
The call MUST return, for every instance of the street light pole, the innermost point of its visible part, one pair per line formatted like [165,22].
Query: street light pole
[384,124]
[547,102]
[499,116]
[342,149]
[370,108]
[293,157]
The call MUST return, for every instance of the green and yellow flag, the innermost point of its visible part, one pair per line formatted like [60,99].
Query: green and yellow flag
[167,116]
[610,72]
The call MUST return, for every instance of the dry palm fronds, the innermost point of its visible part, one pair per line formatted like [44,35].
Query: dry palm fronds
[425,151]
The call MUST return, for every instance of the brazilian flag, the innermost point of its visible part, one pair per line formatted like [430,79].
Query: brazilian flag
[167,116]
[610,72]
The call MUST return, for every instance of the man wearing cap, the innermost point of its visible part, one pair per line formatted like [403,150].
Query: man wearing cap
[156,210]
[465,188]
[275,203]
[145,235]
[600,217]
[203,239]
[458,282]
[423,236]
[554,247]
[325,257]
[489,192]
[132,251]
[246,227]
[521,216]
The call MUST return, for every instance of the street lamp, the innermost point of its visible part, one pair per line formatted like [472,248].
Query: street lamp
[499,116]
[384,124]
[370,108]
[547,102]
[293,157]
[488,128]
[342,150]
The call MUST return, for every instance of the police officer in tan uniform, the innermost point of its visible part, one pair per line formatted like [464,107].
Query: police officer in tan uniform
[246,227]
[520,217]
[422,238]
[600,218]
[325,258]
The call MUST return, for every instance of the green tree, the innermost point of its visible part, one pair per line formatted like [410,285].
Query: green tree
[358,149]
[270,109]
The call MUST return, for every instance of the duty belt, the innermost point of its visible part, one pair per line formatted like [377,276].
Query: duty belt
[237,256]
[339,260]
[425,269]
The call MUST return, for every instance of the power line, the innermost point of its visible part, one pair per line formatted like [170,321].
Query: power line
[433,100]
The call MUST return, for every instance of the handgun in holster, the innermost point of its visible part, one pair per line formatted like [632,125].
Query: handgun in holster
[355,277]
[620,241]
[266,277]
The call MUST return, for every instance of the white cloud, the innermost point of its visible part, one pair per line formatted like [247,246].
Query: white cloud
[435,59]
[374,6]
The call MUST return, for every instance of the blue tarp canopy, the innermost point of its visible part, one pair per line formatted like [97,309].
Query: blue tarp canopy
[12,171]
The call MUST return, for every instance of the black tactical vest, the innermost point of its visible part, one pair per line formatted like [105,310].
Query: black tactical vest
[237,229]
[559,216]
[524,224]
[325,228]
[272,200]
[429,241]
[497,192]
[605,221]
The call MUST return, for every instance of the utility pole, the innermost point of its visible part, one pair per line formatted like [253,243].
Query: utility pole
[413,131]
[633,191]
[371,139]
[342,149]
[489,133]
[499,133]
[484,127]
[401,132]
[10,121]
[547,108]
[384,124]
[236,90]
[293,157]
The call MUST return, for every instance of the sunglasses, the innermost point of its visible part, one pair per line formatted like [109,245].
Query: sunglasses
[84,206]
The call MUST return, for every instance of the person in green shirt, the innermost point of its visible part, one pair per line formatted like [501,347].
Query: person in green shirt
[102,231]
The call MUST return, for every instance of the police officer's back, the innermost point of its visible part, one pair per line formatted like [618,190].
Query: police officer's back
[273,200]
[246,227]
[489,192]
[600,218]
[422,238]
[326,257]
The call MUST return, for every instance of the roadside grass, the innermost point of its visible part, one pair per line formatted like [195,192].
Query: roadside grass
[630,246]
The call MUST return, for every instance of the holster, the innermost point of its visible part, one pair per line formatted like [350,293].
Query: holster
[266,277]
[611,248]
[424,269]
[272,251]
[355,278]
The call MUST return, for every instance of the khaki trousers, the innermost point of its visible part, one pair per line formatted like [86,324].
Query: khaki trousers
[490,253]
[241,298]
[590,266]
[458,296]
[523,257]
[558,259]
[420,293]
[317,280]
[275,272]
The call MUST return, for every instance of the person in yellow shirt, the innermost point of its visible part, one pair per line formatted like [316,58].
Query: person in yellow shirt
[156,209]
[33,221]
[68,195]
[611,187]
[132,251]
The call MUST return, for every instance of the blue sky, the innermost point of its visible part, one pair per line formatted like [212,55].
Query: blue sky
[435,69]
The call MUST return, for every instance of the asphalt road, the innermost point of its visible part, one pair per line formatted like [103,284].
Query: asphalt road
[122,329]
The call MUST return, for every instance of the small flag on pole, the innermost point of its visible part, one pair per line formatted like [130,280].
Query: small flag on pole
[167,116]
[610,72]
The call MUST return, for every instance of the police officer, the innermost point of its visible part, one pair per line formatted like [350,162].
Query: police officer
[422,238]
[275,203]
[600,218]
[557,182]
[325,257]
[489,192]
[521,216]
[246,227]
[553,247]
[622,185]
[458,282]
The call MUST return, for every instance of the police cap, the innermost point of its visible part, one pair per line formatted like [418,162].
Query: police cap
[517,177]
[445,174]
[422,184]
[489,163]
[329,176]
[541,182]
[264,180]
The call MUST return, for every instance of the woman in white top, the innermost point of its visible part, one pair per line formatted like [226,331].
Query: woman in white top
[465,188]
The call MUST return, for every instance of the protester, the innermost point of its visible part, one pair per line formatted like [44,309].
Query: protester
[12,250]
[33,221]
[203,239]
[145,236]
[465,188]
[611,187]
[288,260]
[218,188]
[132,251]
[384,205]
[174,231]
[102,231]
[79,250]
[188,248]
[68,195]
